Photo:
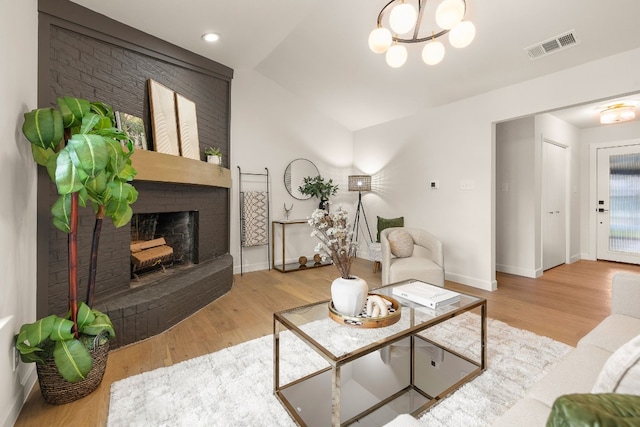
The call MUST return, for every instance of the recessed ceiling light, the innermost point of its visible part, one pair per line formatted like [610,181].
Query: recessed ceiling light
[210,37]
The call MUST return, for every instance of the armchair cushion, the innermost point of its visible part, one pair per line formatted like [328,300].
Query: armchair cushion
[388,223]
[400,243]
[621,372]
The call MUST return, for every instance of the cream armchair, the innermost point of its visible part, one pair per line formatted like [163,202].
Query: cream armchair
[426,263]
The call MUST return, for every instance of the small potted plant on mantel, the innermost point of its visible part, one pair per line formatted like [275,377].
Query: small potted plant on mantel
[316,186]
[85,157]
[214,155]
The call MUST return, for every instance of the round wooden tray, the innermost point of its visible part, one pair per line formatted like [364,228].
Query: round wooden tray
[364,321]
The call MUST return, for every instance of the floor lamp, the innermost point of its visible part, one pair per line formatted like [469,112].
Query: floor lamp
[360,183]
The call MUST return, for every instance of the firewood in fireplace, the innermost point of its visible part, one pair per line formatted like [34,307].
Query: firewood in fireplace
[149,253]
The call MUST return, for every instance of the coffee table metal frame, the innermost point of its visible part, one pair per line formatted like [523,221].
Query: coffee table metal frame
[281,322]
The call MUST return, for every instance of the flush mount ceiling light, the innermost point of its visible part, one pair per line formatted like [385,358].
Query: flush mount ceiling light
[617,113]
[211,37]
[405,19]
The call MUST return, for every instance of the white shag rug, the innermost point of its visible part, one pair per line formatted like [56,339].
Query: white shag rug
[234,386]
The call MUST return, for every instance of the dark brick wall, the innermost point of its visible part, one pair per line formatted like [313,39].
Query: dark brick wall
[85,67]
[87,55]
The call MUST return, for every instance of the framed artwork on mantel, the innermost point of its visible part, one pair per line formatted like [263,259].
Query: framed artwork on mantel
[163,118]
[134,126]
[187,128]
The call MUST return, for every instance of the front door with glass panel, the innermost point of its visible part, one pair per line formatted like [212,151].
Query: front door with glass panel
[618,204]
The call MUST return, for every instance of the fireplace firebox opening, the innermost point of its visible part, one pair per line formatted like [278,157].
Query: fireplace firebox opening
[162,240]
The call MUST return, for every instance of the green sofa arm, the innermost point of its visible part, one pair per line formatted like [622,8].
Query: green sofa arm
[595,410]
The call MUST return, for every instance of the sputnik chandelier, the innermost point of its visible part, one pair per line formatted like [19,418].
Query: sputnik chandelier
[405,23]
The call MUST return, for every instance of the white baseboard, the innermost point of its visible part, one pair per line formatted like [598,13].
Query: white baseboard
[588,257]
[518,271]
[247,268]
[471,281]
[575,258]
[265,265]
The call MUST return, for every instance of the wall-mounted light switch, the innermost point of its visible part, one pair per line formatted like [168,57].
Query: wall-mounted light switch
[466,184]
[434,185]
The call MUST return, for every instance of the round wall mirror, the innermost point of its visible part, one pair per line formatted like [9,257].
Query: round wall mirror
[294,174]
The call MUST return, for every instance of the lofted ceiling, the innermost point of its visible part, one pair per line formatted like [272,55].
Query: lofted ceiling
[318,49]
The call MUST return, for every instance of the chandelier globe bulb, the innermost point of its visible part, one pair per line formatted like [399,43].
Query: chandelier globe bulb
[433,53]
[462,34]
[449,13]
[403,18]
[379,40]
[396,56]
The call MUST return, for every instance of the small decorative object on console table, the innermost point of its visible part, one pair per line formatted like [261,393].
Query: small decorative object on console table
[287,211]
[348,293]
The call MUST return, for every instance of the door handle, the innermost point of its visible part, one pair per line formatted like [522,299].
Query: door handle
[603,210]
[551,212]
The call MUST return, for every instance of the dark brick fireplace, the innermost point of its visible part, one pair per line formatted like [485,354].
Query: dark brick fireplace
[84,54]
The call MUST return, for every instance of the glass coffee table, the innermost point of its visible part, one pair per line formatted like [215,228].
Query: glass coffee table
[332,374]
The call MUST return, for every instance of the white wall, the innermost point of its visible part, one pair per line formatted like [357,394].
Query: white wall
[270,127]
[18,30]
[515,197]
[519,192]
[444,144]
[455,143]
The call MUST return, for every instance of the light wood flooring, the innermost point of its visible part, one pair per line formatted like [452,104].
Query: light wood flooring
[564,304]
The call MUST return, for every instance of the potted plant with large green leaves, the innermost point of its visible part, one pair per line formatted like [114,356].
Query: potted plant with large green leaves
[89,160]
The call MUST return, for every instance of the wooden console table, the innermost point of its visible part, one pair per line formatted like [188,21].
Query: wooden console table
[293,266]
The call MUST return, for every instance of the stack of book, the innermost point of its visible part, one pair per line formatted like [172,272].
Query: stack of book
[428,295]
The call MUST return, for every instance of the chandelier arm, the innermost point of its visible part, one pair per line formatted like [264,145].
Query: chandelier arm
[381,14]
[421,4]
[415,38]
[422,39]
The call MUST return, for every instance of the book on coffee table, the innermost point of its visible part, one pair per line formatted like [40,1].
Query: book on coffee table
[428,295]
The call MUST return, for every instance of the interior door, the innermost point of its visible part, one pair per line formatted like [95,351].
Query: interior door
[554,237]
[618,209]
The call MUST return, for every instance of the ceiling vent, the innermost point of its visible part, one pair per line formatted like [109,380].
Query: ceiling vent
[552,45]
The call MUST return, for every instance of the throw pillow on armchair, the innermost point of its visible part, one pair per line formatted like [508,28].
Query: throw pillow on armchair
[388,223]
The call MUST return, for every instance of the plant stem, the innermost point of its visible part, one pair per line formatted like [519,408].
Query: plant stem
[73,262]
[93,263]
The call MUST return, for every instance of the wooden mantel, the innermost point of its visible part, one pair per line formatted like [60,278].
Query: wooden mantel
[159,167]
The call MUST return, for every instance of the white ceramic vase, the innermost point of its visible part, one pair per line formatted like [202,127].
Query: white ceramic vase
[349,296]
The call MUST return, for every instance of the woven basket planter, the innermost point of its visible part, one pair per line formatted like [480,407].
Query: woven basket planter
[57,391]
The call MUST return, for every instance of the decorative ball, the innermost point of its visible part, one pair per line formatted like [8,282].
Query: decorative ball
[317,258]
[302,260]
